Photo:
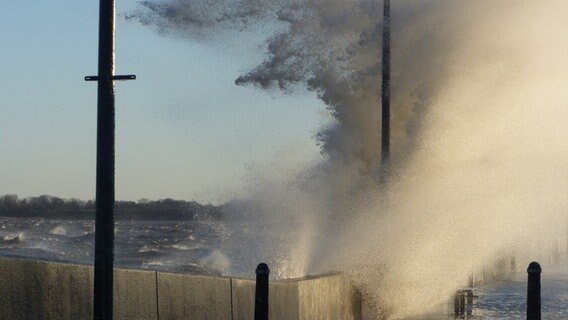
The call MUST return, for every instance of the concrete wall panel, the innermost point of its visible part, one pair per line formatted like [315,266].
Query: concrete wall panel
[135,295]
[41,290]
[328,298]
[243,298]
[45,290]
[184,297]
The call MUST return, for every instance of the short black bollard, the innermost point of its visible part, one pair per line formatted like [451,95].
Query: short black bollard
[469,302]
[462,303]
[533,291]
[457,308]
[459,303]
[261,294]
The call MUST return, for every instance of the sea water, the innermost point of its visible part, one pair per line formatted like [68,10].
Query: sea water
[507,299]
[194,247]
[175,246]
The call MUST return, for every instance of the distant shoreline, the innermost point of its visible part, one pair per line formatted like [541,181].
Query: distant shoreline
[91,216]
[53,208]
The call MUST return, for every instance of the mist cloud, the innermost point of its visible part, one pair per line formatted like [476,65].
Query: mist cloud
[479,136]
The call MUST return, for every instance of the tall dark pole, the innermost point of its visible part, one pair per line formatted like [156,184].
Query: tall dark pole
[385,90]
[104,219]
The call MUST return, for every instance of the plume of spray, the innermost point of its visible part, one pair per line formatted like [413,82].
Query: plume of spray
[479,161]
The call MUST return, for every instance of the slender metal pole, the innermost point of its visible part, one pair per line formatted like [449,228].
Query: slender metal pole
[385,91]
[104,220]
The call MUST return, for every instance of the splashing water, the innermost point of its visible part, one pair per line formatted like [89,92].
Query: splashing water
[480,158]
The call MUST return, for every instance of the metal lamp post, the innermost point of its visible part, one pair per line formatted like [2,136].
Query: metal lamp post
[104,219]
[385,89]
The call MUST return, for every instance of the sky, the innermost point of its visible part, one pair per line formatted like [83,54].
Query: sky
[184,129]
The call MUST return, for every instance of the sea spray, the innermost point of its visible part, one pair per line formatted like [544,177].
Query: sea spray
[487,173]
[480,159]
[275,224]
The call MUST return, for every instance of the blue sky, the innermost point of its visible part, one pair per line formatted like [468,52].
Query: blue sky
[184,130]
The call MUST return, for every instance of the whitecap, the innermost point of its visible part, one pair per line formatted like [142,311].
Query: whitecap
[147,248]
[14,238]
[216,262]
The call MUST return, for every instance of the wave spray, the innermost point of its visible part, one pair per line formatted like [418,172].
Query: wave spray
[479,151]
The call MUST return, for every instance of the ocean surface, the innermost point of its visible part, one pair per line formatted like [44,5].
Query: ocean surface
[507,299]
[193,247]
[175,246]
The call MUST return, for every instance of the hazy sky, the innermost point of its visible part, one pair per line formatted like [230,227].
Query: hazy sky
[184,130]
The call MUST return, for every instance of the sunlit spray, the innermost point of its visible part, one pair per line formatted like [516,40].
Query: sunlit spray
[479,152]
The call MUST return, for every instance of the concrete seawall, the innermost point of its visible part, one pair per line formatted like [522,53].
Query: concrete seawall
[548,252]
[37,290]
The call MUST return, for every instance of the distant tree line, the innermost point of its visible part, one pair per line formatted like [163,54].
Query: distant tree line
[50,207]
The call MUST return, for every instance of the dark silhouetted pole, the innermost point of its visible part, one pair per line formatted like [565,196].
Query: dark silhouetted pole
[533,291]
[261,293]
[385,90]
[104,219]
